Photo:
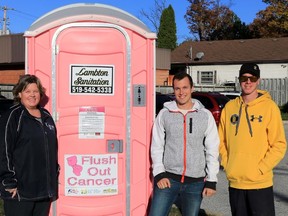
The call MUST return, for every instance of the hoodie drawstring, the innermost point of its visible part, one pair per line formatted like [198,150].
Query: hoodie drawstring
[247,119]
[238,122]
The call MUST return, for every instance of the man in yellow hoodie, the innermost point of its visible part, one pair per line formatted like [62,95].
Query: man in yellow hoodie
[252,143]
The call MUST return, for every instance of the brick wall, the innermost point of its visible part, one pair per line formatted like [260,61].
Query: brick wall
[162,77]
[10,76]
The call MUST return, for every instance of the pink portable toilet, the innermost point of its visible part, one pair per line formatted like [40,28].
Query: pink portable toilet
[97,64]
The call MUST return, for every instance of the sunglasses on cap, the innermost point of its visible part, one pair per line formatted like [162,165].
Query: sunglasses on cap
[245,78]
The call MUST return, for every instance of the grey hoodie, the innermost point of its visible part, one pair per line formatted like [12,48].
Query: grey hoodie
[185,145]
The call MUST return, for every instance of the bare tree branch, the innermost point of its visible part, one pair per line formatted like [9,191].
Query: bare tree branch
[154,14]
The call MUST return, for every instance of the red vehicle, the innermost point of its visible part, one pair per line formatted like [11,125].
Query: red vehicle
[212,101]
[160,100]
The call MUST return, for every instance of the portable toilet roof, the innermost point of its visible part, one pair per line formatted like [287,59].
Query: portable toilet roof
[88,11]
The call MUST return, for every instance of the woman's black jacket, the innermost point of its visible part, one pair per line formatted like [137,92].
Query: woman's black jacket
[28,155]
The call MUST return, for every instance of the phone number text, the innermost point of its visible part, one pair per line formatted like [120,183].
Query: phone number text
[98,90]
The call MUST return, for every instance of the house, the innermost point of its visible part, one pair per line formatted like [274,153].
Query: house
[217,63]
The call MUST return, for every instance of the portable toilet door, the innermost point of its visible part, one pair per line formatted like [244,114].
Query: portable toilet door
[97,64]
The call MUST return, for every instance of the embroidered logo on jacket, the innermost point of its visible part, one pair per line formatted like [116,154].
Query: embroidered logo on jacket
[259,118]
[50,126]
[234,119]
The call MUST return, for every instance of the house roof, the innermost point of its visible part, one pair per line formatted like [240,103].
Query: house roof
[264,50]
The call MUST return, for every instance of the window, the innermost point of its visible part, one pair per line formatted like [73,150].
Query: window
[206,77]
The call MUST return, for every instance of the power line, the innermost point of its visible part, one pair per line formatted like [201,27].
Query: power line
[5,19]
[21,12]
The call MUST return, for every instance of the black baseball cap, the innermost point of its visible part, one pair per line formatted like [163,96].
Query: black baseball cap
[250,68]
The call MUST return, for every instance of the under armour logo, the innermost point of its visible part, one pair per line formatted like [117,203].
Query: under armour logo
[255,117]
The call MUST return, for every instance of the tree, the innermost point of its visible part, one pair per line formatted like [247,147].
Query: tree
[154,14]
[233,29]
[275,2]
[198,17]
[212,21]
[208,19]
[167,30]
[240,30]
[273,21]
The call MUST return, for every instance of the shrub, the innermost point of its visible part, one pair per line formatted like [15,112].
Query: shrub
[284,108]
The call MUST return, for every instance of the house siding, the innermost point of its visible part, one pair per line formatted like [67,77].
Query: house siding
[163,58]
[12,59]
[12,48]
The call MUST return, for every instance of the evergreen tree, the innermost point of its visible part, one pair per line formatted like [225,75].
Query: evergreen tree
[167,30]
[231,30]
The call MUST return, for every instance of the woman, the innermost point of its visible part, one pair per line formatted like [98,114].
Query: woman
[28,153]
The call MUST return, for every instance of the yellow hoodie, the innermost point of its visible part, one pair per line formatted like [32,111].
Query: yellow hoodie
[252,141]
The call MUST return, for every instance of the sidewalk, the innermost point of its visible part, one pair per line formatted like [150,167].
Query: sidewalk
[218,205]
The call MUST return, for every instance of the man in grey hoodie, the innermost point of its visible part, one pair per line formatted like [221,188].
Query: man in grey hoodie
[184,152]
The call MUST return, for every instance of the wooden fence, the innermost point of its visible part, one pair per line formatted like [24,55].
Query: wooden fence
[278,89]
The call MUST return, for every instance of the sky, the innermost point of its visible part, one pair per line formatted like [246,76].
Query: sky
[22,13]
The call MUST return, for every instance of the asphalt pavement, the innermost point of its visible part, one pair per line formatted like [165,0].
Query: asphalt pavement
[218,205]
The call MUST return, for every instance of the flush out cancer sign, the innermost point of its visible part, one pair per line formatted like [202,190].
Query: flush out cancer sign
[91,175]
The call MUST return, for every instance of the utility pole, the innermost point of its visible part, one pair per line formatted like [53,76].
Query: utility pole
[5,20]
